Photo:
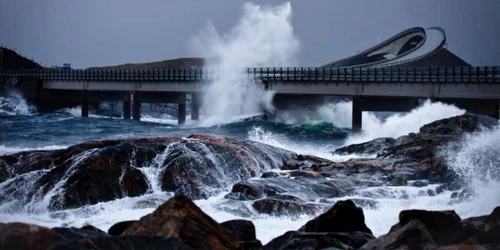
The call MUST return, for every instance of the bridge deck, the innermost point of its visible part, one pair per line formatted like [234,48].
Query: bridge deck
[452,82]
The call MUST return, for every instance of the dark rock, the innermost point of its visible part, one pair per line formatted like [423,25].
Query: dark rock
[366,203]
[269,175]
[306,174]
[305,240]
[100,171]
[420,183]
[243,232]
[413,235]
[476,226]
[459,124]
[188,171]
[344,216]
[125,242]
[283,205]
[67,235]
[445,227]
[372,147]
[247,189]
[120,227]
[180,218]
[25,236]
[92,228]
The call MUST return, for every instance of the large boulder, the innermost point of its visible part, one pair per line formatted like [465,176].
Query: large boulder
[180,218]
[118,228]
[418,228]
[25,236]
[372,147]
[344,216]
[243,232]
[413,235]
[126,242]
[305,240]
[283,205]
[198,166]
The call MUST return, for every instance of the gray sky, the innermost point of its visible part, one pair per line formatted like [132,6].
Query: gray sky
[109,32]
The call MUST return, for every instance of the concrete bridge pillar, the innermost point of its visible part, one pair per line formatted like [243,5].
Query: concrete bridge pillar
[136,106]
[356,114]
[126,107]
[181,109]
[85,103]
[195,106]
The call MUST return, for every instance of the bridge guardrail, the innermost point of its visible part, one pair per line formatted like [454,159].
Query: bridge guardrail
[488,74]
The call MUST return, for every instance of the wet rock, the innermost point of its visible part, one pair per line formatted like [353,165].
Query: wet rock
[459,124]
[283,205]
[420,228]
[247,189]
[481,225]
[366,203]
[305,174]
[344,216]
[420,183]
[445,227]
[100,171]
[269,175]
[92,228]
[180,218]
[308,240]
[25,236]
[372,147]
[413,235]
[120,227]
[68,235]
[243,232]
[126,242]
[102,180]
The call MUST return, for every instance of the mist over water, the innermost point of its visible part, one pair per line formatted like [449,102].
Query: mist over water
[262,37]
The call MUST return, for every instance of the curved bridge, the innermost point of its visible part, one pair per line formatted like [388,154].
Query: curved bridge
[409,45]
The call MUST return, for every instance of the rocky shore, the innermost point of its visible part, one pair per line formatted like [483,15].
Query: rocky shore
[274,181]
[180,224]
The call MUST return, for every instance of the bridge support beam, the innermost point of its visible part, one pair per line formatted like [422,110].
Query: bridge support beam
[195,106]
[136,106]
[126,107]
[181,115]
[85,103]
[356,114]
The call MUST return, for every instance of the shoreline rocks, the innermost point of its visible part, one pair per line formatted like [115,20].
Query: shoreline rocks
[180,224]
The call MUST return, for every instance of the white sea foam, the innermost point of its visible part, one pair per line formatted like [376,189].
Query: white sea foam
[9,150]
[15,104]
[263,36]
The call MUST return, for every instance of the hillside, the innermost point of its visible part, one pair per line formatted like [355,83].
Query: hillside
[9,59]
[174,63]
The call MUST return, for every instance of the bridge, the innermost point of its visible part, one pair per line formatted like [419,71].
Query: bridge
[474,85]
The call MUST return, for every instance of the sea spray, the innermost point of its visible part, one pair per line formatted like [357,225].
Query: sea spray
[14,104]
[263,37]
[403,123]
[477,163]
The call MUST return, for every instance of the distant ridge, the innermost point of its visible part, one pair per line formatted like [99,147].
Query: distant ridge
[174,63]
[9,59]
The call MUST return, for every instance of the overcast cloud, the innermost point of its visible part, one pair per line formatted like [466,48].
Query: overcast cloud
[109,32]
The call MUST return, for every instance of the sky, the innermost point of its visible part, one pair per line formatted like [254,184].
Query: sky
[110,32]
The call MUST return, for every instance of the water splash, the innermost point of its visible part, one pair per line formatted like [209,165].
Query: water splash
[263,36]
[15,104]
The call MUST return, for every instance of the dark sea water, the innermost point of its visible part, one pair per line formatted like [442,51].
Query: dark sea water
[315,132]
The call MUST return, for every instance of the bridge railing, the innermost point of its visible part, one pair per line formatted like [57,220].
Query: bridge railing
[289,74]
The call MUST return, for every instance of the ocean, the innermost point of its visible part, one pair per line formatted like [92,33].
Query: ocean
[320,132]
